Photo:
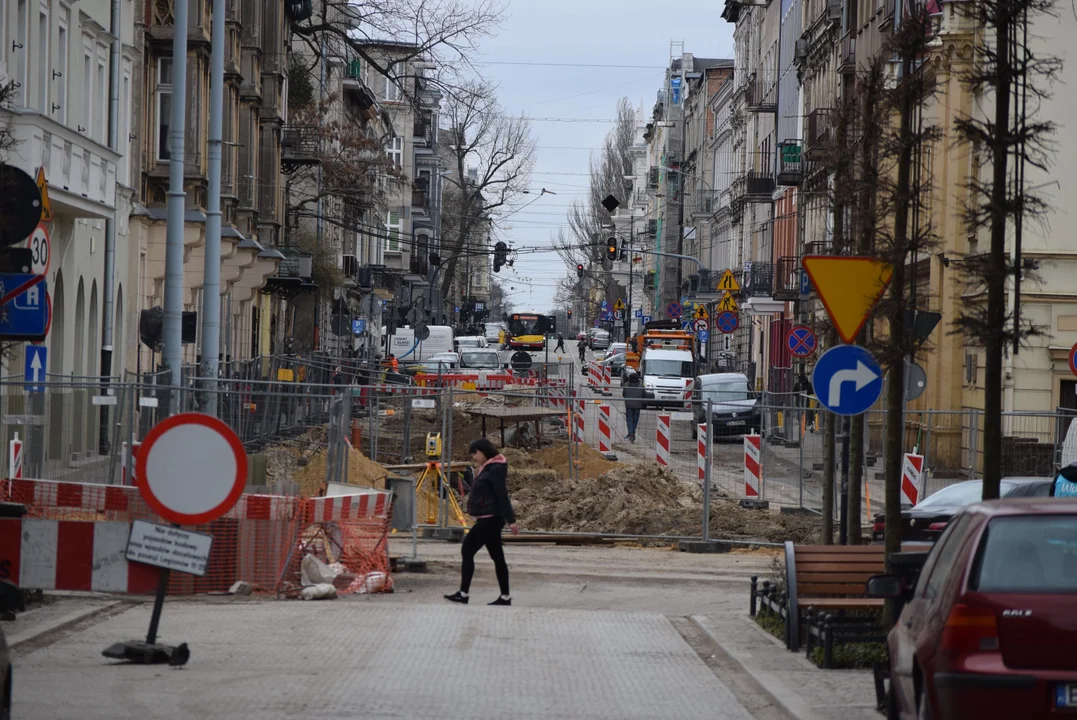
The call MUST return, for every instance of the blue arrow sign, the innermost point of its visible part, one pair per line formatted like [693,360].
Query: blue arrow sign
[27,315]
[34,370]
[847,380]
[358,327]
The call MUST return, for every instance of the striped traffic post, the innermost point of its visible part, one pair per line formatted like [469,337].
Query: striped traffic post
[14,455]
[752,465]
[701,436]
[661,442]
[912,470]
[581,407]
[604,444]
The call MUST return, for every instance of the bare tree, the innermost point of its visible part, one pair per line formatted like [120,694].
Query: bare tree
[1007,74]
[491,155]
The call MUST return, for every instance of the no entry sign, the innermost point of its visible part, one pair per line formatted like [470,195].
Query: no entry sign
[191,469]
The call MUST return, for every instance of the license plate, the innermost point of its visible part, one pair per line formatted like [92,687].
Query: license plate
[1066,695]
[732,423]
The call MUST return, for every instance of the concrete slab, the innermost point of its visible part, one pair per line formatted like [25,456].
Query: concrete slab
[339,659]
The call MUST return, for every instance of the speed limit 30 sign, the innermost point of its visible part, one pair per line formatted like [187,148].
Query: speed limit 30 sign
[40,250]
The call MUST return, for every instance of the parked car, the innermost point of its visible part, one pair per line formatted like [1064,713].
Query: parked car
[617,366]
[926,521]
[581,335]
[598,339]
[6,681]
[734,407]
[471,341]
[445,362]
[989,630]
[617,348]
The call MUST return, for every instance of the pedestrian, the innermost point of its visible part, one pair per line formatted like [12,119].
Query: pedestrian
[560,343]
[488,503]
[633,395]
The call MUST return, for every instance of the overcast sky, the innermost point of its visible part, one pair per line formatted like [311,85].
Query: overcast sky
[583,35]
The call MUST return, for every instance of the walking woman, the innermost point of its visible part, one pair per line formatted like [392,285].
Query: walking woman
[488,502]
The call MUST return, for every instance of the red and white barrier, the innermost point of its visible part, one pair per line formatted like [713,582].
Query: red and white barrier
[14,458]
[581,408]
[661,440]
[912,472]
[604,444]
[701,445]
[689,386]
[133,450]
[753,466]
[606,380]
[349,507]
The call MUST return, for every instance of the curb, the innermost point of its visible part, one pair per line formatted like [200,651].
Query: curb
[782,697]
[14,641]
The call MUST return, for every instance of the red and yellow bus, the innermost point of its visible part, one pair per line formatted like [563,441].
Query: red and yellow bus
[528,331]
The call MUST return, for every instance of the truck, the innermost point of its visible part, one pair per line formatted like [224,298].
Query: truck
[666,361]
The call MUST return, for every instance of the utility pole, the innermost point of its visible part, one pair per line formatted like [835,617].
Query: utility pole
[173,301]
[211,283]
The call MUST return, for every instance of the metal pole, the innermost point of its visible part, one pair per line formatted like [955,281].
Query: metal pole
[211,283]
[158,604]
[800,444]
[108,314]
[173,301]
[843,531]
[708,461]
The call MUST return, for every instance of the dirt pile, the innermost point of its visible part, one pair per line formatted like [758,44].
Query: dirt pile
[592,464]
[362,472]
[644,499]
[302,460]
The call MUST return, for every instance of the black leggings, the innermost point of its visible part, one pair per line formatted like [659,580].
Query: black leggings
[485,531]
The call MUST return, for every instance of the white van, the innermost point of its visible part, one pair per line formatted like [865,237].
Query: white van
[409,352]
[668,376]
[734,406]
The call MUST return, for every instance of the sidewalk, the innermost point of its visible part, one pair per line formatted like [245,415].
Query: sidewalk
[801,689]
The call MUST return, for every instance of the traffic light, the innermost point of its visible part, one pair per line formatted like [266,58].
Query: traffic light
[611,249]
[624,250]
[579,271]
[501,251]
[569,312]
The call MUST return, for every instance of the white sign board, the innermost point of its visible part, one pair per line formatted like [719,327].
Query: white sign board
[423,403]
[169,547]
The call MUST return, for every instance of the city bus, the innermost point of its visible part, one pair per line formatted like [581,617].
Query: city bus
[528,331]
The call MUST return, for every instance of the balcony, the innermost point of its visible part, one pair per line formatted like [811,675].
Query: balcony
[790,163]
[300,146]
[420,200]
[419,266]
[754,186]
[787,278]
[757,280]
[847,62]
[820,134]
[293,273]
[762,96]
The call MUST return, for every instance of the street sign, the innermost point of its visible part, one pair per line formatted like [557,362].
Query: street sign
[43,190]
[674,310]
[728,282]
[849,288]
[26,315]
[371,305]
[801,341]
[455,310]
[169,547]
[416,315]
[358,326]
[646,319]
[639,313]
[597,323]
[726,321]
[704,336]
[605,306]
[619,305]
[422,331]
[34,368]
[701,313]
[727,304]
[915,381]
[847,380]
[1073,359]
[617,315]
[191,469]
[805,283]
[40,251]
[479,307]
[48,323]
[20,205]
[700,326]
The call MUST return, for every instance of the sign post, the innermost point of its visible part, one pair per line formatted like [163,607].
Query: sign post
[191,470]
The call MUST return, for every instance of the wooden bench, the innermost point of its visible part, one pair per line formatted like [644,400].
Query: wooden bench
[822,582]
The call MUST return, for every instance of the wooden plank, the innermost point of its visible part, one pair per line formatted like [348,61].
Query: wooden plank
[831,577]
[840,548]
[816,566]
[809,589]
[840,603]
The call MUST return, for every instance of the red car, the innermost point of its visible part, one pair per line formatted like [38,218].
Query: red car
[991,628]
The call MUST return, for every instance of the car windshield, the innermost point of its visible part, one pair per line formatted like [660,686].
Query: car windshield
[481,360]
[962,494]
[1032,554]
[668,368]
[468,342]
[727,391]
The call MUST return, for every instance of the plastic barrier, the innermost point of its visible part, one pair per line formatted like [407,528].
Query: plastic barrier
[752,466]
[661,442]
[701,446]
[912,470]
[604,444]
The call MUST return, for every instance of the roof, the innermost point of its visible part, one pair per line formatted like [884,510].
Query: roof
[711,64]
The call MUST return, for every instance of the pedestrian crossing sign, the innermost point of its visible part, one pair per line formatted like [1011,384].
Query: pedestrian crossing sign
[727,304]
[701,313]
[728,283]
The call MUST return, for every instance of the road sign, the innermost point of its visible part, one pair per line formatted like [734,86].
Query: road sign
[619,305]
[849,288]
[915,381]
[455,309]
[416,315]
[605,306]
[727,304]
[617,315]
[20,205]
[847,380]
[169,547]
[26,315]
[646,319]
[801,341]
[674,310]
[726,321]
[48,323]
[597,323]
[1073,359]
[43,190]
[358,326]
[191,469]
[728,282]
[371,305]
[704,335]
[479,307]
[422,331]
[700,325]
[34,368]
[701,313]
[639,313]
[40,251]
[805,283]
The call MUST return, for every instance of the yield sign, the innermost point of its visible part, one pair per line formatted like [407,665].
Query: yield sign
[727,304]
[728,283]
[849,288]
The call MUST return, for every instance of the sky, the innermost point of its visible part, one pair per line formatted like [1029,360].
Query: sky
[580,35]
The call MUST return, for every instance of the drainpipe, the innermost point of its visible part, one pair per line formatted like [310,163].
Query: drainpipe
[108,311]
[211,283]
[177,146]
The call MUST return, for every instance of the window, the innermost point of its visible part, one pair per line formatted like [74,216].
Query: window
[123,142]
[164,106]
[395,151]
[392,91]
[44,66]
[941,561]
[87,87]
[101,122]
[20,50]
[62,65]
[1032,554]
[392,231]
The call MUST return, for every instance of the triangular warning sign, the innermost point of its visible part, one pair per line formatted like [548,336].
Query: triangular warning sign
[849,288]
[701,313]
[728,283]
[727,304]
[43,188]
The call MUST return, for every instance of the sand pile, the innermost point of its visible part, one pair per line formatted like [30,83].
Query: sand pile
[592,464]
[285,460]
[362,472]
